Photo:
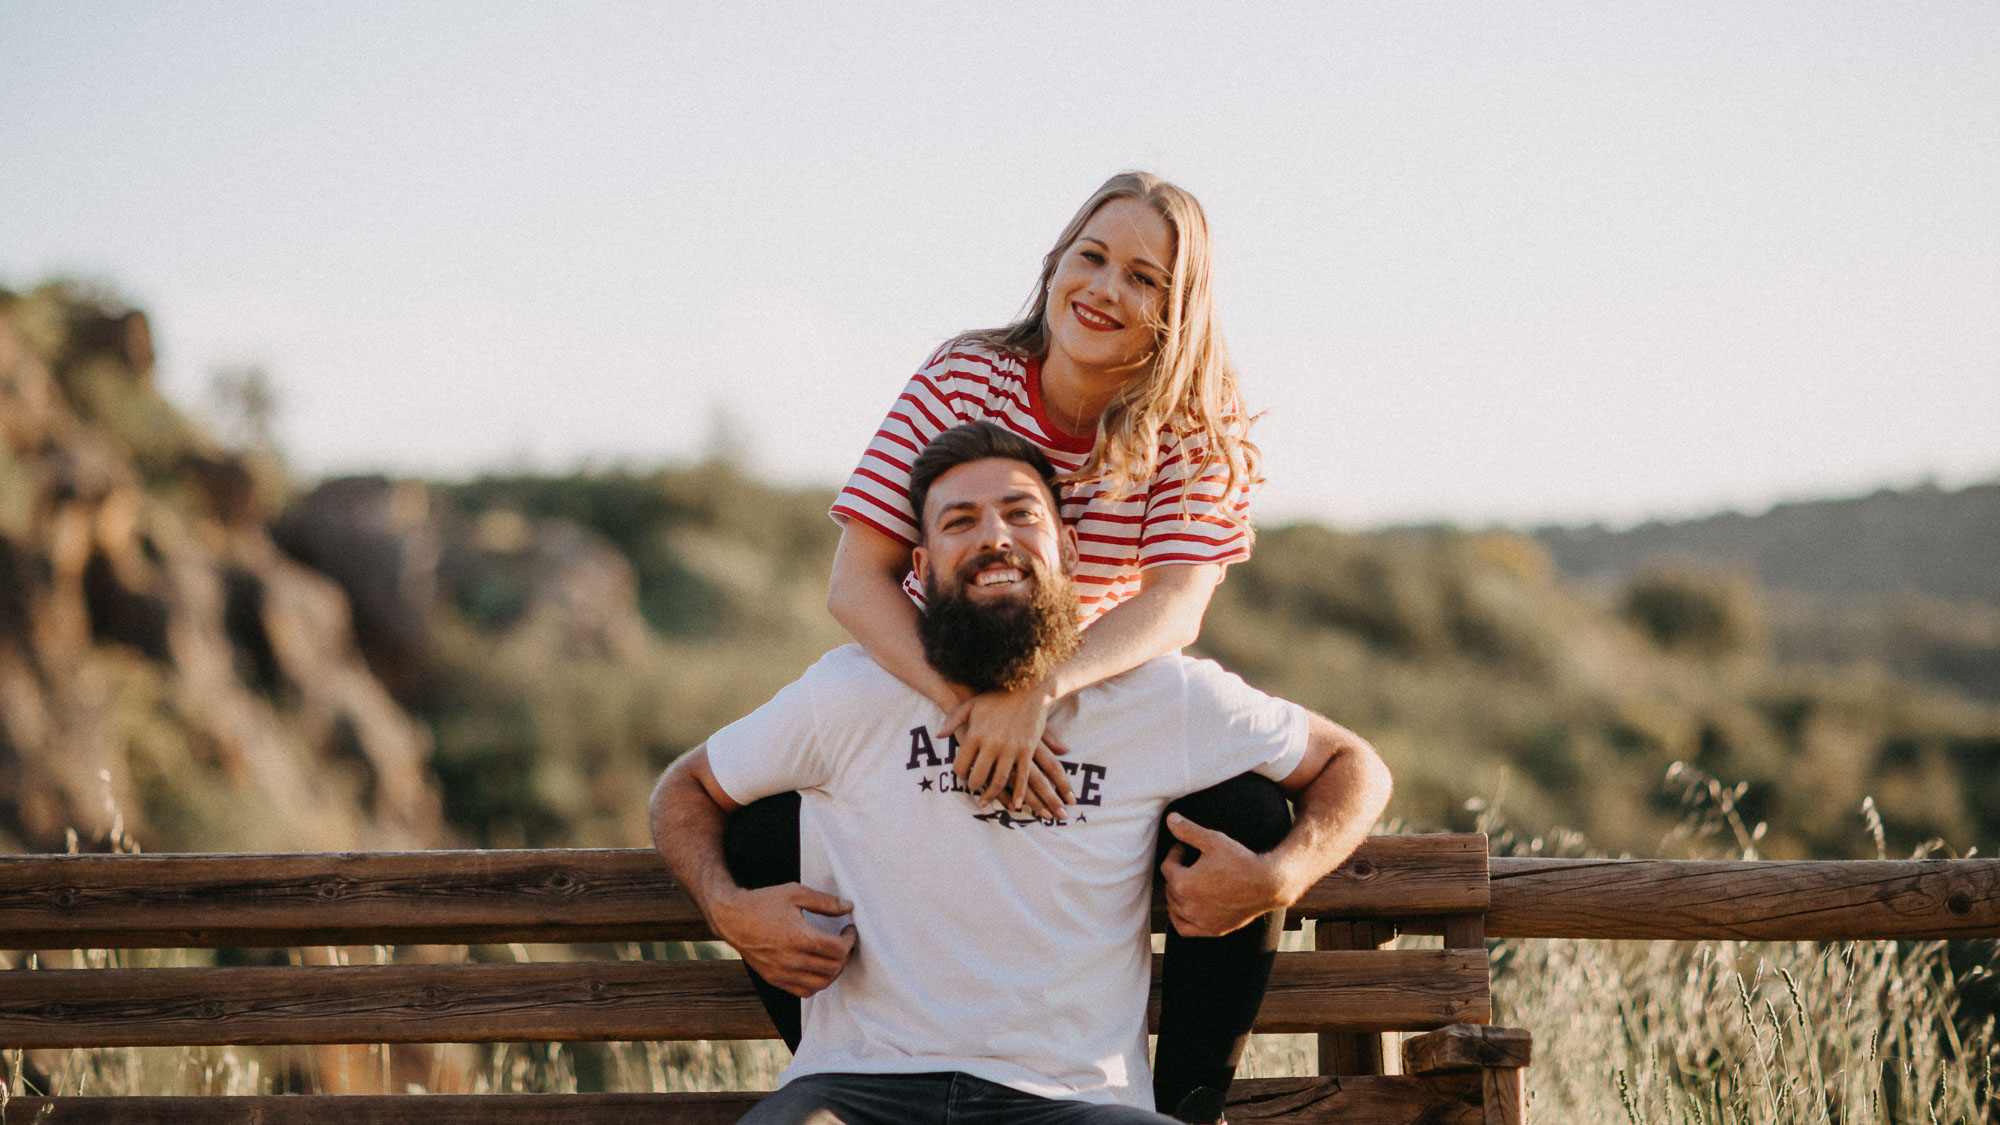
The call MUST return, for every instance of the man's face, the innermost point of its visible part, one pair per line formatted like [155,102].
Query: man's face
[990,534]
[995,562]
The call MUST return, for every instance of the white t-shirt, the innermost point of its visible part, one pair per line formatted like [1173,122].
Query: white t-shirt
[1013,950]
[1117,537]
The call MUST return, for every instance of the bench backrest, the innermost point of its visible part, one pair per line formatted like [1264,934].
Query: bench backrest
[583,899]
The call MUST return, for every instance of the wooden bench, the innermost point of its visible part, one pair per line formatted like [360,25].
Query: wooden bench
[1345,990]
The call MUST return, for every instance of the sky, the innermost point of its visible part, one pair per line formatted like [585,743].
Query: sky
[1507,262]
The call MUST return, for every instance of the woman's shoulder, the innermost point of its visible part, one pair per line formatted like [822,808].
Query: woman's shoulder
[970,358]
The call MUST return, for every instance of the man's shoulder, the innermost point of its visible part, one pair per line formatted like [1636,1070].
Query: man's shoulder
[1175,673]
[850,668]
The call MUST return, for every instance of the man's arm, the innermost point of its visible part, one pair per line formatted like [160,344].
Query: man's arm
[689,812]
[1339,789]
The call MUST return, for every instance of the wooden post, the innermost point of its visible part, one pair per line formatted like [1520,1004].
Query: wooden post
[1505,1095]
[1347,1053]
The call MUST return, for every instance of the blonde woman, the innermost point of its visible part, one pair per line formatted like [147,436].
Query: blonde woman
[1117,371]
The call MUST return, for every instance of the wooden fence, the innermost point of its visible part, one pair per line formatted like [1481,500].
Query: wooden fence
[584,895]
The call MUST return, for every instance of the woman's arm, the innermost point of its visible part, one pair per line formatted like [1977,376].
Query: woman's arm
[1000,731]
[1163,617]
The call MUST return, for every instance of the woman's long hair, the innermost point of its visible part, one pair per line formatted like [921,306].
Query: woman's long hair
[1189,384]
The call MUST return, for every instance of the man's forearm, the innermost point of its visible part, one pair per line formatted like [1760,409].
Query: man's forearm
[687,831]
[765,925]
[1334,811]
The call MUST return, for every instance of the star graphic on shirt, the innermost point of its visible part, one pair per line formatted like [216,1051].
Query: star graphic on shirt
[925,784]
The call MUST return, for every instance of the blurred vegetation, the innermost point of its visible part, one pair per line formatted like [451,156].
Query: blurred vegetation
[537,747]
[1480,674]
[1465,656]
[554,679]
[698,539]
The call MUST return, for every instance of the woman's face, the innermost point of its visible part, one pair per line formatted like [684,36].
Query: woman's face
[1106,296]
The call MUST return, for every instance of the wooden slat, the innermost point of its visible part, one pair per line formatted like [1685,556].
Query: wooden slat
[360,1109]
[490,897]
[1829,900]
[394,898]
[1446,1100]
[380,1004]
[1404,877]
[1375,990]
[1361,990]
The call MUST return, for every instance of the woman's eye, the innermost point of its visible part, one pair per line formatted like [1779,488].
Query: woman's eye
[1093,257]
[1145,280]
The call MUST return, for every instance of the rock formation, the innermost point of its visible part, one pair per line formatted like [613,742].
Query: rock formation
[164,669]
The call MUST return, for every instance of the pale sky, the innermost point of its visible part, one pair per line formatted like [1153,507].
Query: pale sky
[1495,262]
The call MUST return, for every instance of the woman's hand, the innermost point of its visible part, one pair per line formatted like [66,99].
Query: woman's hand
[1006,754]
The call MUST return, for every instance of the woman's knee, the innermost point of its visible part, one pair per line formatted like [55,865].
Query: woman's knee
[1248,808]
[761,842]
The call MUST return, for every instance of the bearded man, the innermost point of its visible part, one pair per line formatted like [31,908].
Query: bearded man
[968,964]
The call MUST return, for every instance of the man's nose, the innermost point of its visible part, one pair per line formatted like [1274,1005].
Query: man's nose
[994,532]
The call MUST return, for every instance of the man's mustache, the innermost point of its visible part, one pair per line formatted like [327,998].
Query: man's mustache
[1005,557]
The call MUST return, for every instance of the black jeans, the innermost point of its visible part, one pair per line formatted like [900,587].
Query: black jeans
[1210,988]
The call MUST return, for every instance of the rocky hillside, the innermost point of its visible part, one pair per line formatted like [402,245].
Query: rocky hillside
[166,670]
[193,658]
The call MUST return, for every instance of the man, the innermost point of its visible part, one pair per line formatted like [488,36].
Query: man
[995,964]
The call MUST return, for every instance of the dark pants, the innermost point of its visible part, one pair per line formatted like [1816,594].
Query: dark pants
[928,1099]
[1210,988]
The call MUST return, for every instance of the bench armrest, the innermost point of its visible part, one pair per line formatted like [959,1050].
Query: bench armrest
[1466,1046]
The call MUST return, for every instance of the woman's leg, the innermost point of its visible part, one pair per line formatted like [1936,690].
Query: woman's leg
[1211,988]
[761,847]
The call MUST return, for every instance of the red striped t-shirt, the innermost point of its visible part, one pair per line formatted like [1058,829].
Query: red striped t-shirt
[1116,537]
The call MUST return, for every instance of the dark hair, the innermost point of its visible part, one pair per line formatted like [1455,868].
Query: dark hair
[974,441]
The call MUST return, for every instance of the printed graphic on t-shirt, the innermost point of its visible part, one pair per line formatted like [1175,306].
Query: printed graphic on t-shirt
[935,776]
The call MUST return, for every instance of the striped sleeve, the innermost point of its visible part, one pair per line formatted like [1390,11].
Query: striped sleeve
[1199,531]
[878,493]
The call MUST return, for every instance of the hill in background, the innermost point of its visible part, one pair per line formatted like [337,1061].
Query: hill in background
[1908,579]
[1922,541]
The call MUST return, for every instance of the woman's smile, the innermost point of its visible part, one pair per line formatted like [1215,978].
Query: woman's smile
[1092,319]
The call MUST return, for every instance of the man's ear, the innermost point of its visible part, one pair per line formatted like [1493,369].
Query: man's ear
[920,564]
[1070,551]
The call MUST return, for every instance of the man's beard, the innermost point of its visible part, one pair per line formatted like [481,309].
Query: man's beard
[1000,646]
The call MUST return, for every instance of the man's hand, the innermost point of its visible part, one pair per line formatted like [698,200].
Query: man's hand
[767,928]
[1226,888]
[1005,752]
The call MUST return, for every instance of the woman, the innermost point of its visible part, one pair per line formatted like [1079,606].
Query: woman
[1118,372]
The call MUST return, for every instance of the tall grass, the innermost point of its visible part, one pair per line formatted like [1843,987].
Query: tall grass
[1747,1033]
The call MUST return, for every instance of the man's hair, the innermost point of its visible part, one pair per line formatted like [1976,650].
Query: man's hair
[974,441]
